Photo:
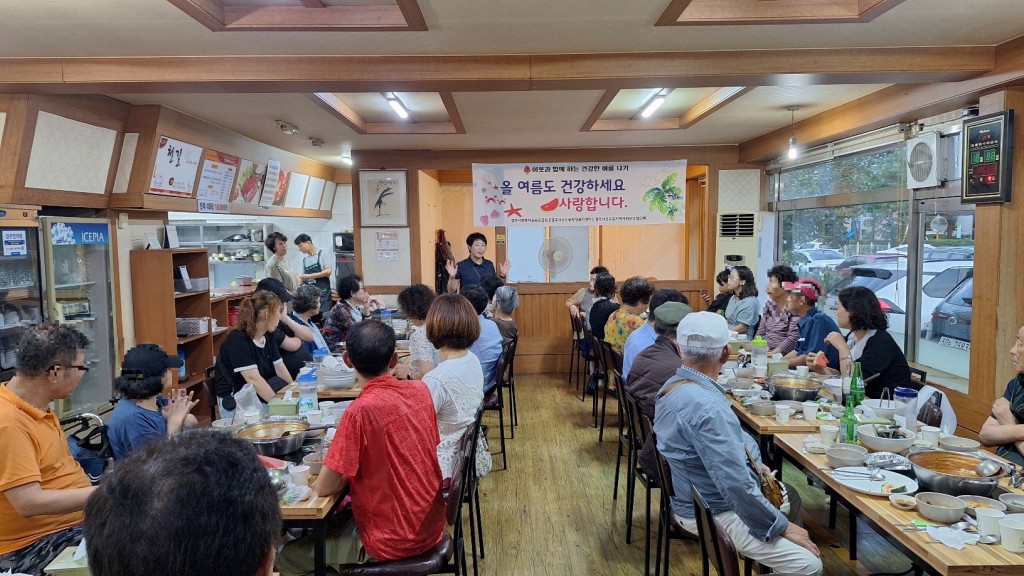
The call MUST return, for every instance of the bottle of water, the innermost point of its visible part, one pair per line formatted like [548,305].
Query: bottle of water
[385,316]
[307,390]
[759,350]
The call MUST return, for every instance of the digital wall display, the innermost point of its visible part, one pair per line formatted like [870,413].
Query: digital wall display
[987,158]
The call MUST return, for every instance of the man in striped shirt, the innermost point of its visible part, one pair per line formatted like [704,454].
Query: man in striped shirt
[778,325]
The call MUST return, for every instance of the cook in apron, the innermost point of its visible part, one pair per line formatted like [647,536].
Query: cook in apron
[324,284]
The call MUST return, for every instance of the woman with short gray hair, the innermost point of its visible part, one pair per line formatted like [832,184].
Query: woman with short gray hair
[506,300]
[305,306]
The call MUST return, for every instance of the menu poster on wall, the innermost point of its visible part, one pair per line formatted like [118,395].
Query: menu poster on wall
[215,181]
[270,184]
[15,243]
[387,246]
[283,178]
[250,182]
[174,172]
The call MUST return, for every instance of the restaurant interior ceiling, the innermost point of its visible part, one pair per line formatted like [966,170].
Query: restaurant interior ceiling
[484,75]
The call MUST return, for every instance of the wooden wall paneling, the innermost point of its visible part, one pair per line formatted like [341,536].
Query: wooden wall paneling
[142,120]
[694,228]
[457,221]
[15,109]
[428,222]
[648,250]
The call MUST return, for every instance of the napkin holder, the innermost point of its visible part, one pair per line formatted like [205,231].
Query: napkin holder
[65,564]
[777,367]
[283,407]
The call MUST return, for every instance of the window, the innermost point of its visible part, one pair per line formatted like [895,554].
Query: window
[856,173]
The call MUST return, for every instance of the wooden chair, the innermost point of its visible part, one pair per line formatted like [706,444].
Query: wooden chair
[590,357]
[668,527]
[576,357]
[628,442]
[612,361]
[447,556]
[495,401]
[472,496]
[509,381]
[636,423]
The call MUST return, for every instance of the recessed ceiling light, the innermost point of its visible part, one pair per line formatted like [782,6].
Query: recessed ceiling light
[397,106]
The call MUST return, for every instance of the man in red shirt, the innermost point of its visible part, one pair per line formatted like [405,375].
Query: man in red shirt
[385,452]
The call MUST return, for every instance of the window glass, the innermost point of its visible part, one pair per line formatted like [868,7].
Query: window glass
[873,170]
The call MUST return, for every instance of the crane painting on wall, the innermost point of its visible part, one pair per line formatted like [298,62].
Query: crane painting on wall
[382,198]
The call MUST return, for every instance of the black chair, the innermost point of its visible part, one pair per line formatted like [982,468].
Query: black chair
[612,361]
[919,376]
[628,445]
[642,430]
[590,361]
[668,527]
[600,373]
[449,555]
[576,358]
[209,387]
[472,496]
[495,401]
[509,381]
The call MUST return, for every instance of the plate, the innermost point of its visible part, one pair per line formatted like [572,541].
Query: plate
[874,487]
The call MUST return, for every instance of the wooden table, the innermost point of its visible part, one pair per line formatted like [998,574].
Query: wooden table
[313,513]
[766,427]
[324,393]
[973,559]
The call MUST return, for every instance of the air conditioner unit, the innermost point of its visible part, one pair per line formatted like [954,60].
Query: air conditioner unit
[746,239]
[924,160]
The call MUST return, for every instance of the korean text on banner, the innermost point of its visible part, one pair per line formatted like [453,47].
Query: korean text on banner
[579,194]
[215,181]
[174,172]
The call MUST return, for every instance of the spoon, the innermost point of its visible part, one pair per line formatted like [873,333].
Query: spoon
[988,539]
[289,432]
[987,468]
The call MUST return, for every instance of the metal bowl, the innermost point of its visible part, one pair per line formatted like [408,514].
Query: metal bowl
[975,502]
[939,507]
[952,473]
[762,408]
[866,434]
[267,437]
[789,387]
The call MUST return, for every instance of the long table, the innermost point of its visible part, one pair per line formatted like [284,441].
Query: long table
[313,513]
[887,520]
[324,393]
[765,428]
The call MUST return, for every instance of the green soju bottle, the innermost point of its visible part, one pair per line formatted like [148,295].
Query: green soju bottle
[857,385]
[848,424]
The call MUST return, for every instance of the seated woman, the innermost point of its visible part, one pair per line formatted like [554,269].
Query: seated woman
[305,306]
[355,306]
[635,295]
[504,303]
[249,356]
[457,383]
[604,305]
[414,302]
[743,310]
[869,343]
[1005,426]
[142,415]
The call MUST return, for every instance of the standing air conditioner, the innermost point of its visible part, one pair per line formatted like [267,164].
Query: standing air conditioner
[746,239]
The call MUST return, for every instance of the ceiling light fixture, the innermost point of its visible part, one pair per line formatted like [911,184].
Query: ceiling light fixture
[655,102]
[346,154]
[286,127]
[792,152]
[346,160]
[396,105]
[316,142]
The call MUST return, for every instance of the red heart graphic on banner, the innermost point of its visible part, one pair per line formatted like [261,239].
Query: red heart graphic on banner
[484,220]
[495,214]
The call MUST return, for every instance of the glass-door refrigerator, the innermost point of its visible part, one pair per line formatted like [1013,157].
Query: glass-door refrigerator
[78,279]
[20,289]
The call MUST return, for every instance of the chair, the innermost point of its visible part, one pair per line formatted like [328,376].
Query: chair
[576,352]
[89,443]
[589,357]
[919,376]
[495,401]
[668,527]
[509,381]
[209,386]
[628,441]
[641,430]
[472,496]
[612,361]
[447,556]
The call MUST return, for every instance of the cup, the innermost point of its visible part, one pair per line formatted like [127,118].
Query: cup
[802,371]
[252,417]
[782,413]
[300,475]
[829,434]
[760,371]
[325,405]
[810,411]
[314,417]
[988,521]
[1011,535]
[930,435]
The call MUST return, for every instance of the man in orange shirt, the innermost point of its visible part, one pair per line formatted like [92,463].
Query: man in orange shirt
[43,489]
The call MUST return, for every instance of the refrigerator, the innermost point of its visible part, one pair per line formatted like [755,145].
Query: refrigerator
[78,284]
[21,299]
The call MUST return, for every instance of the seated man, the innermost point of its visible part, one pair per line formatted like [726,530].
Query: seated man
[200,503]
[814,324]
[706,448]
[655,366]
[385,452]
[643,337]
[488,346]
[44,489]
[142,415]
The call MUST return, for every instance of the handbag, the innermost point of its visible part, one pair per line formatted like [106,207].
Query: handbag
[770,487]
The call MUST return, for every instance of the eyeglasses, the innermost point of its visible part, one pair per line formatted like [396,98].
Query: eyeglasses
[82,369]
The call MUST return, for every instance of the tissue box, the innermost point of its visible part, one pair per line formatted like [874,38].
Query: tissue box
[777,367]
[65,564]
[282,407]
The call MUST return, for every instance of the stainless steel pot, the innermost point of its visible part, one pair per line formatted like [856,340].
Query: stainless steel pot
[267,437]
[788,387]
[952,473]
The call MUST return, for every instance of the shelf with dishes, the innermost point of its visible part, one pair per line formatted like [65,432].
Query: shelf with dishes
[72,285]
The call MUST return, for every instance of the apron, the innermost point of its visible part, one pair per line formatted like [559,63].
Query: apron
[324,284]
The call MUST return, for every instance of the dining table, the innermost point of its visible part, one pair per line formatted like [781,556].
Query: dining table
[892,523]
[313,514]
[764,429]
[324,393]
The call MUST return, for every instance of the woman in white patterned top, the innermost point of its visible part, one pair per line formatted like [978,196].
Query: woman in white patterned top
[414,302]
[457,383]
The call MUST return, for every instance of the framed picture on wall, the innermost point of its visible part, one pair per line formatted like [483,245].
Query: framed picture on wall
[382,198]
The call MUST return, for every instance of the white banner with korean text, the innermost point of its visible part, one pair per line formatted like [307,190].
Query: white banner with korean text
[579,193]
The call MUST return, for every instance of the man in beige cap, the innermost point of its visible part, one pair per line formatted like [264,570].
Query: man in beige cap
[706,449]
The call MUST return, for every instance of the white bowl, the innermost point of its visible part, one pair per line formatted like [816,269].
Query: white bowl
[903,501]
[835,387]
[883,410]
[314,462]
[844,457]
[940,507]
[1014,502]
[957,444]
[866,434]
[225,425]
[856,447]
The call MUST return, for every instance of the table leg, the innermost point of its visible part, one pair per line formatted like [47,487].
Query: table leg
[320,548]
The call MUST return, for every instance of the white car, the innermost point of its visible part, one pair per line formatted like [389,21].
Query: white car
[812,262]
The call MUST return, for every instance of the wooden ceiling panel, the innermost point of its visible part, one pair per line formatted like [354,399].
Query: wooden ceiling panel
[343,107]
[305,16]
[731,12]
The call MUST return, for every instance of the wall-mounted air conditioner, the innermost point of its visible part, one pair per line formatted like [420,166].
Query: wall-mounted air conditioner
[746,239]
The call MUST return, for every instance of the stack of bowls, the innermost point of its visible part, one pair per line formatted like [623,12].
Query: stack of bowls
[340,379]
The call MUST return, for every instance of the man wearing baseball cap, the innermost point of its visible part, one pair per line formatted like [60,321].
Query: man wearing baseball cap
[143,416]
[289,335]
[706,448]
[815,325]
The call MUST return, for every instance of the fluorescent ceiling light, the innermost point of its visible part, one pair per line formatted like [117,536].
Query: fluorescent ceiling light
[397,107]
[652,106]
[346,160]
